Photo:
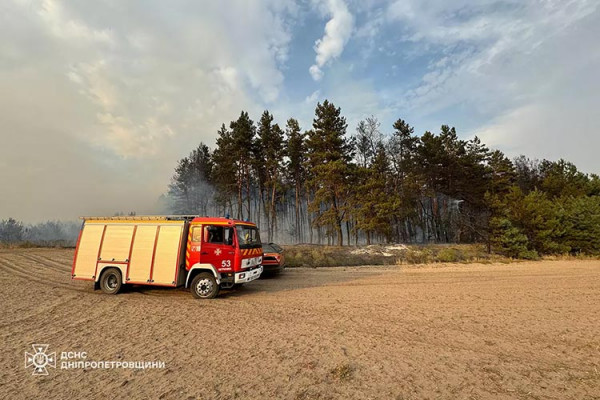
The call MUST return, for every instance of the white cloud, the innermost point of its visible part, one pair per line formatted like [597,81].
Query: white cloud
[550,130]
[523,75]
[483,53]
[312,99]
[337,33]
[316,72]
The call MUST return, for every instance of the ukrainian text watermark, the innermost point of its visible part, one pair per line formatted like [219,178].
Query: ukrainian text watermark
[41,359]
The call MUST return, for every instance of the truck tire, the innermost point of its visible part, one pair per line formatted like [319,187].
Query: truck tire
[110,281]
[204,286]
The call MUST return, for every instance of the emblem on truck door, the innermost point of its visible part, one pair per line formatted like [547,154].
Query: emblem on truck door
[218,252]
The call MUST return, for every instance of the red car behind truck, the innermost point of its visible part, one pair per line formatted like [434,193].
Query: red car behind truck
[273,258]
[202,253]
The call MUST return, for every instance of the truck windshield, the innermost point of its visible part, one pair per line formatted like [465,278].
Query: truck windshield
[248,237]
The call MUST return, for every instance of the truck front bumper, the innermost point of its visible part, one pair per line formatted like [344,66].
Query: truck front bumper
[248,275]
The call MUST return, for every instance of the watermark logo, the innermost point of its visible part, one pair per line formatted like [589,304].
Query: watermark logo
[40,359]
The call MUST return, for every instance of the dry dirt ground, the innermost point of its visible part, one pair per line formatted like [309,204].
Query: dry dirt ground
[526,330]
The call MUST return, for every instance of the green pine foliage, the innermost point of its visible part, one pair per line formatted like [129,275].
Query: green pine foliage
[269,141]
[581,224]
[294,170]
[510,240]
[326,186]
[329,155]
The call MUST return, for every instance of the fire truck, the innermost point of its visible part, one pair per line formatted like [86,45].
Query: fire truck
[201,253]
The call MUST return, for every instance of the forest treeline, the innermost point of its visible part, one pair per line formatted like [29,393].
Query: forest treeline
[49,233]
[323,185]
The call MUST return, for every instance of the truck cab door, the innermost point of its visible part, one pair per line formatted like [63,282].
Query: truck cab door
[217,247]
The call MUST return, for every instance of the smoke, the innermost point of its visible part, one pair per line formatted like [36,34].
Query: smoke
[50,233]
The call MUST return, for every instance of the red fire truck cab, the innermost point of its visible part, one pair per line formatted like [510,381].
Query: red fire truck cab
[204,254]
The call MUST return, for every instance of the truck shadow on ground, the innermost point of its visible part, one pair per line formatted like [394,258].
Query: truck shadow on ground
[300,278]
[287,280]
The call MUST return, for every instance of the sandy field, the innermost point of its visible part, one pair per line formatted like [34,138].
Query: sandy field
[525,330]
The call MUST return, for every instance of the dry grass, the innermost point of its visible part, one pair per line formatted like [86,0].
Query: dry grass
[335,256]
[57,244]
[313,256]
[342,372]
[331,256]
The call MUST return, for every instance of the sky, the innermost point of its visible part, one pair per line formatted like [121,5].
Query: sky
[98,100]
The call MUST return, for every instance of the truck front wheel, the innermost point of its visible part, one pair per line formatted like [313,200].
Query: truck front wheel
[204,286]
[110,281]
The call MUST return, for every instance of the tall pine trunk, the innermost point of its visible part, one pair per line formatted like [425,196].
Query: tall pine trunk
[240,201]
[248,189]
[298,230]
[273,214]
[308,218]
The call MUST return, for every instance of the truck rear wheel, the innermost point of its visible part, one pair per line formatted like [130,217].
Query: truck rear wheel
[204,286]
[110,281]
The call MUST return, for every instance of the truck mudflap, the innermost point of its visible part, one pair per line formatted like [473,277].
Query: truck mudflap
[249,275]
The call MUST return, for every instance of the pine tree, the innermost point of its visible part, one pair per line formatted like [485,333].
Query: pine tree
[502,173]
[528,173]
[539,218]
[581,222]
[510,240]
[225,171]
[295,170]
[502,177]
[406,180]
[471,182]
[561,178]
[191,190]
[270,138]
[328,158]
[372,203]
[242,134]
